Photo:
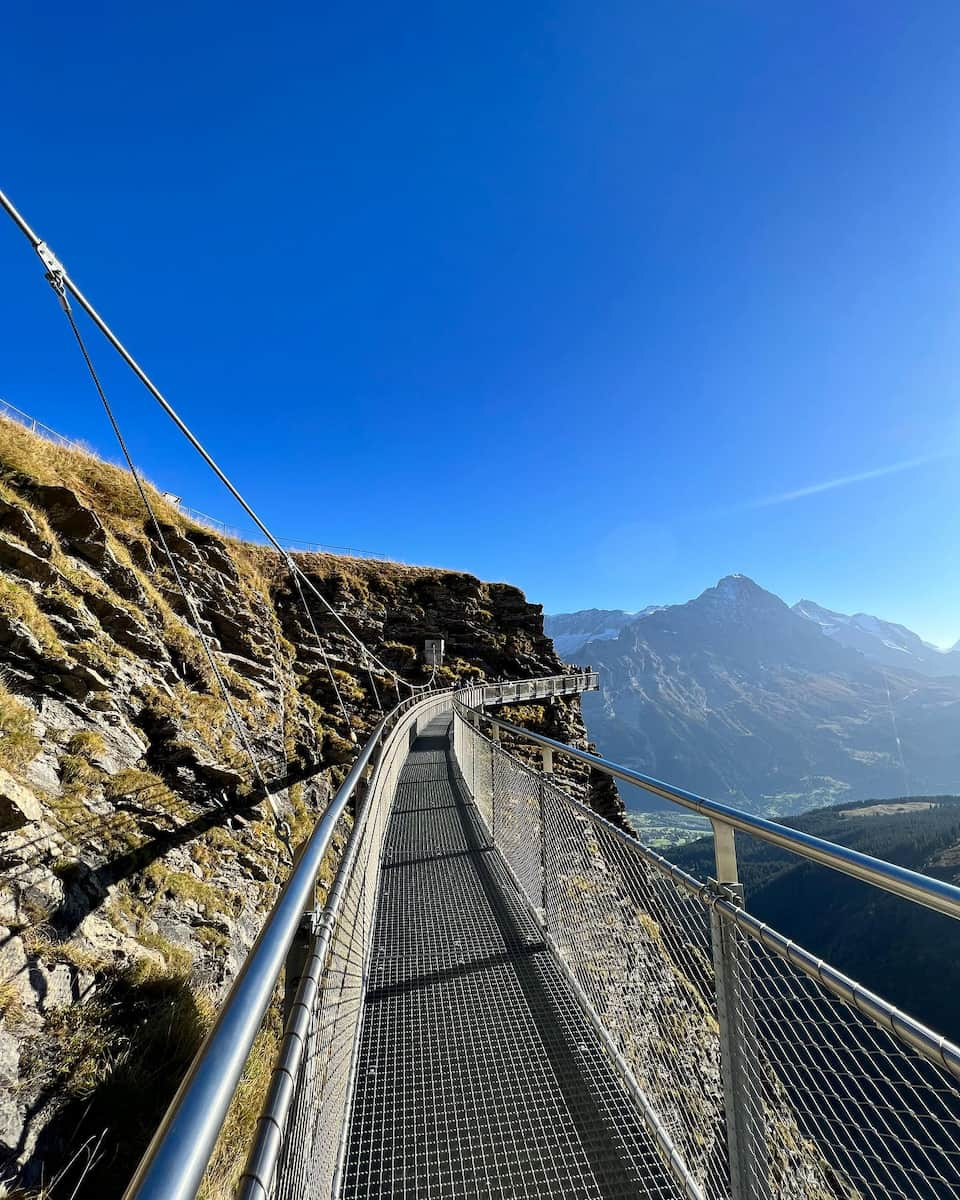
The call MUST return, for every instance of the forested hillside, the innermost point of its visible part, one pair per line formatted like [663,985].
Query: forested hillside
[910,955]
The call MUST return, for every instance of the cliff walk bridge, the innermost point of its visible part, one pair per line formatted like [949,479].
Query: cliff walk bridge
[503,995]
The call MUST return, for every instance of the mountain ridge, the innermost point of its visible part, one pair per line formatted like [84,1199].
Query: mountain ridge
[885,642]
[888,642]
[570,631]
[736,695]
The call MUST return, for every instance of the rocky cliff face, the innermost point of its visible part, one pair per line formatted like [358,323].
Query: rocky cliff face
[138,855]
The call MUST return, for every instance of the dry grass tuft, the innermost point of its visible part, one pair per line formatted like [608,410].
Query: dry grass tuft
[236,1135]
[18,745]
[19,603]
[86,743]
[143,788]
[27,458]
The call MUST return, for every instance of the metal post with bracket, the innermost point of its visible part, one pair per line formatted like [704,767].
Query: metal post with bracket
[740,1066]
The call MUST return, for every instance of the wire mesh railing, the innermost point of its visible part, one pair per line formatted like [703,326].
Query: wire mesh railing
[866,1115]
[770,1073]
[636,940]
[760,1071]
[301,1139]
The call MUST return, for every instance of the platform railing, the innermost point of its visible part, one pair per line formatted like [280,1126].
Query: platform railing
[319,953]
[771,1073]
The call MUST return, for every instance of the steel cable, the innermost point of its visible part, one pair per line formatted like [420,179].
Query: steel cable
[320,647]
[282,828]
[53,266]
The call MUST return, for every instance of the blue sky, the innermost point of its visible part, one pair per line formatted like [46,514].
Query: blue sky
[587,297]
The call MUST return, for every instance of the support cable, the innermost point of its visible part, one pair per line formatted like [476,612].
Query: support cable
[323,654]
[51,262]
[282,828]
[373,684]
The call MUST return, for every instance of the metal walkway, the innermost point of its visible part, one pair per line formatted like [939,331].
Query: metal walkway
[642,1034]
[478,1074]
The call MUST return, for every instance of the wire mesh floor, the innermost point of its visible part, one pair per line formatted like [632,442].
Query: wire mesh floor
[478,1074]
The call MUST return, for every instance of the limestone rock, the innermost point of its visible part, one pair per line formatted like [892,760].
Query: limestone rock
[124,628]
[25,563]
[54,985]
[11,1115]
[214,554]
[17,639]
[18,805]
[219,774]
[15,969]
[79,680]
[73,520]
[19,522]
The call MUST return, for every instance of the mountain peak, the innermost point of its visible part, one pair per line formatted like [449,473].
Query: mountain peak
[738,582]
[742,591]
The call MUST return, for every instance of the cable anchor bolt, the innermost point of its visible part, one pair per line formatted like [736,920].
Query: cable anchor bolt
[284,833]
[55,273]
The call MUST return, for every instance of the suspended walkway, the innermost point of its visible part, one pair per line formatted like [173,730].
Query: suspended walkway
[478,1073]
[504,996]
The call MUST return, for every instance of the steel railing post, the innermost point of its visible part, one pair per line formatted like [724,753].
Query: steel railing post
[494,804]
[740,1066]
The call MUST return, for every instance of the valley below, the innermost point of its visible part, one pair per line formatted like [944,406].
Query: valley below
[908,954]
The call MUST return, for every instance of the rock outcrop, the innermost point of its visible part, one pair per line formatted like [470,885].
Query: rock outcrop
[138,854]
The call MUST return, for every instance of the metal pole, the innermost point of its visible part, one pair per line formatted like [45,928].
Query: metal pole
[725,853]
[542,797]
[740,1067]
[297,957]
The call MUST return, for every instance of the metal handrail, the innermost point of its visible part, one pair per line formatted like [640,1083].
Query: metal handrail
[900,881]
[177,1157]
[752,998]
[652,1120]
[267,1142]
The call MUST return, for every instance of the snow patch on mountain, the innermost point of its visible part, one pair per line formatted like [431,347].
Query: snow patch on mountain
[570,631]
[883,642]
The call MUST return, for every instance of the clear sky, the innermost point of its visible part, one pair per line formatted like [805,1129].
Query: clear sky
[591,297]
